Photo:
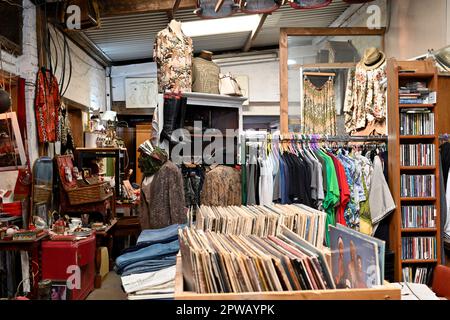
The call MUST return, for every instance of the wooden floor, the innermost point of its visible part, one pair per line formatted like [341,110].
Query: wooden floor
[111,289]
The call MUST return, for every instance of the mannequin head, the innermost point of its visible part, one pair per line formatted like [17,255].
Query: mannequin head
[207,55]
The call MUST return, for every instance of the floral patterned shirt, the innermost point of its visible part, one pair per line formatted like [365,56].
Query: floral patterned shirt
[365,99]
[173,56]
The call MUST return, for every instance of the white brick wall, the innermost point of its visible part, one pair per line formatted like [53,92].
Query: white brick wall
[87,86]
[26,67]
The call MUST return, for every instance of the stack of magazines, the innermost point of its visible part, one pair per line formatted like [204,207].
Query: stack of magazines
[264,221]
[219,263]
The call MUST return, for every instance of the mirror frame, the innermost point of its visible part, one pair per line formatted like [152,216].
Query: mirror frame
[283,47]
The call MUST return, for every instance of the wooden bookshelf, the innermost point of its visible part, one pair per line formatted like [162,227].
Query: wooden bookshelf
[425,71]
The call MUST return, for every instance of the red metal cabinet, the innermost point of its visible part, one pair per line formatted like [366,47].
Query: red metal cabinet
[59,256]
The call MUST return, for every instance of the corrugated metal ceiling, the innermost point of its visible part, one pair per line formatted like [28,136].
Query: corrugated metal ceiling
[131,37]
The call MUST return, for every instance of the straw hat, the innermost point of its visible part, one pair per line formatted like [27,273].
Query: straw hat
[373,59]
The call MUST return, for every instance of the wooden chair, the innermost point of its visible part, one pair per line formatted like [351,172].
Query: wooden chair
[441,282]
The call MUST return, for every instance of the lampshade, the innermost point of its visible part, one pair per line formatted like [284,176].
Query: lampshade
[109,116]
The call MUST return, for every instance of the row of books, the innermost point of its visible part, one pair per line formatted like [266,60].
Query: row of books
[417,155]
[419,248]
[417,124]
[415,93]
[263,221]
[219,263]
[417,274]
[418,186]
[419,216]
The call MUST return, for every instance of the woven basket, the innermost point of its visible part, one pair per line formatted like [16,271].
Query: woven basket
[84,194]
[42,193]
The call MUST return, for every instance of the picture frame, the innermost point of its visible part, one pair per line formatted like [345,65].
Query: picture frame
[60,292]
[12,150]
[141,93]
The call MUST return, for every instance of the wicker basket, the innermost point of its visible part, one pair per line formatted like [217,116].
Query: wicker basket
[42,193]
[84,194]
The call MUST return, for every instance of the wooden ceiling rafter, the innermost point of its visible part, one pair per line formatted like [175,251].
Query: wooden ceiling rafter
[252,37]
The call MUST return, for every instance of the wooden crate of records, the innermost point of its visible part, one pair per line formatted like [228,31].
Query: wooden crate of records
[269,273]
[387,292]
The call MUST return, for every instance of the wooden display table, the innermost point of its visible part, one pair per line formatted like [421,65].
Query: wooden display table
[34,249]
[386,292]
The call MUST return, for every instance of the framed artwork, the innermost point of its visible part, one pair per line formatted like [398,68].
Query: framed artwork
[141,93]
[60,292]
[12,151]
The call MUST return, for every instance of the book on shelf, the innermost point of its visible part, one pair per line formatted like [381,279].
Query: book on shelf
[417,123]
[416,92]
[417,155]
[418,186]
[417,274]
[419,248]
[416,217]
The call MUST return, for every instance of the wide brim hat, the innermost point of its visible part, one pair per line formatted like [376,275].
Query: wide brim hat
[443,58]
[373,59]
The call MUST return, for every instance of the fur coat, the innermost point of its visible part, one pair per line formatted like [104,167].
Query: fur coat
[162,198]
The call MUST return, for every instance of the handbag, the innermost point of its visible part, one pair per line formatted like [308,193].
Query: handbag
[229,86]
[206,9]
[259,6]
[309,4]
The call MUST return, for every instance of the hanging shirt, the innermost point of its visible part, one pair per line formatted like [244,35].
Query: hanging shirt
[380,197]
[173,56]
[344,191]
[266,182]
[47,106]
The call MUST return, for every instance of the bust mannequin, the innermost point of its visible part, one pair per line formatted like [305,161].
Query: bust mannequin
[176,27]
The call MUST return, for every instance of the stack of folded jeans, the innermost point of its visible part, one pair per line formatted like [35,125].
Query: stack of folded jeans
[155,250]
[153,256]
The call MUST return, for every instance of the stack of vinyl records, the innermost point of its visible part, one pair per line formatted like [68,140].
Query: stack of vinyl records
[219,263]
[264,221]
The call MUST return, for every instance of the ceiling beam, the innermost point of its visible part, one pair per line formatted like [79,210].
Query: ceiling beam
[109,8]
[171,13]
[252,37]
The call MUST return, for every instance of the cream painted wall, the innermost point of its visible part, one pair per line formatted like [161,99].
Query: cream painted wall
[416,27]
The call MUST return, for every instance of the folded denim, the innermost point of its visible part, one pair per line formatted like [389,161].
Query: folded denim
[159,235]
[145,245]
[148,266]
[153,252]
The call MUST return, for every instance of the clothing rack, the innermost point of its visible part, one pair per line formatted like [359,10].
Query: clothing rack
[444,137]
[342,138]
[319,74]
